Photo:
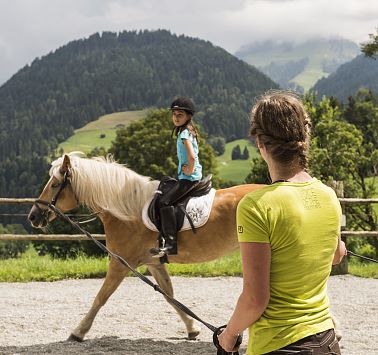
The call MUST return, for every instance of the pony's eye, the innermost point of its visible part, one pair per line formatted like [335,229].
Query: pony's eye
[55,185]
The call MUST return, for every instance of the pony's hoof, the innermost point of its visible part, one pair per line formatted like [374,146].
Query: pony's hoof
[193,335]
[73,337]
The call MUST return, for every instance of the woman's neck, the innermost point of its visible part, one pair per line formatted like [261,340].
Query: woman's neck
[282,173]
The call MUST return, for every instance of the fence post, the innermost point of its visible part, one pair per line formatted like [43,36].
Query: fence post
[342,268]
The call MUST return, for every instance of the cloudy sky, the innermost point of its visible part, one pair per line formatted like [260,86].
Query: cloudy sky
[33,28]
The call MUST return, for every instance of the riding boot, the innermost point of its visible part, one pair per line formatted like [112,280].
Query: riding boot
[169,229]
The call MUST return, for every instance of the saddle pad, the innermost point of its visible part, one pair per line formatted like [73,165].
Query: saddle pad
[198,208]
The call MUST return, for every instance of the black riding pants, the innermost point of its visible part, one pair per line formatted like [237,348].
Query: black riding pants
[176,192]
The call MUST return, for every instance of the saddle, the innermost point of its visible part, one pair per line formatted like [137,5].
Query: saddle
[167,183]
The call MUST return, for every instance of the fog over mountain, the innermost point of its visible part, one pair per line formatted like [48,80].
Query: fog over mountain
[30,29]
[299,65]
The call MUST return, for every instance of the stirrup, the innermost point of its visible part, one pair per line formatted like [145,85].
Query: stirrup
[157,253]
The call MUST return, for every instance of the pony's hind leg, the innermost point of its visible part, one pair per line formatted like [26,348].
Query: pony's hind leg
[160,273]
[116,273]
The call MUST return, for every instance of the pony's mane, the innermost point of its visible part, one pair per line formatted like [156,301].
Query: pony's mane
[106,186]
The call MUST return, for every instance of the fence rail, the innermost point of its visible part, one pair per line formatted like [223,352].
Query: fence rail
[17,201]
[30,201]
[50,237]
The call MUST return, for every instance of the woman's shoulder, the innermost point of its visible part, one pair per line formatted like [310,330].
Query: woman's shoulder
[254,198]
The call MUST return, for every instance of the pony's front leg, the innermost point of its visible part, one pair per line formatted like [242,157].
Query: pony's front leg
[116,273]
[160,273]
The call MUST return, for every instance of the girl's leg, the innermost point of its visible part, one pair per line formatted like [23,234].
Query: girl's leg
[168,217]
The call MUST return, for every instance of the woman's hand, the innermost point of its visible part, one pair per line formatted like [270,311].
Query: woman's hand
[227,341]
[340,252]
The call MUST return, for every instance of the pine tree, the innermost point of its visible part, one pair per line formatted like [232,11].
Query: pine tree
[236,153]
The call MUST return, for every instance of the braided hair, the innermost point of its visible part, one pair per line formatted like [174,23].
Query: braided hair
[281,123]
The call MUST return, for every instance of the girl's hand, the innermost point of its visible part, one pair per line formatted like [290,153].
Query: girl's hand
[185,169]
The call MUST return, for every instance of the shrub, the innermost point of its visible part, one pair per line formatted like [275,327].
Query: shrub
[12,248]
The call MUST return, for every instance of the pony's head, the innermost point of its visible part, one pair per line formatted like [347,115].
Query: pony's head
[99,183]
[58,191]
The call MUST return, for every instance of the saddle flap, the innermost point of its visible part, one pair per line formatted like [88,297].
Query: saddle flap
[203,187]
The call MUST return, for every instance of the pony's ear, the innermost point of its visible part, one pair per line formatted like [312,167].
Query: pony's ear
[65,165]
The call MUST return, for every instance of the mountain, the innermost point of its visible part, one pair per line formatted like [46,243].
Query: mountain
[298,65]
[361,72]
[43,103]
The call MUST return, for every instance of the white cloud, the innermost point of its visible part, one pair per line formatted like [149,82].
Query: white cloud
[34,28]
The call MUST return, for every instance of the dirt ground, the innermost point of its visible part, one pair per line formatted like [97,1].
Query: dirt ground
[37,317]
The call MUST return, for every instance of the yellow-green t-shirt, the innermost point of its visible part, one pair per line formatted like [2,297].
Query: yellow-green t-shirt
[301,222]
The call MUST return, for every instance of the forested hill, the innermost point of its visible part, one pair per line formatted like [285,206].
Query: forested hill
[361,72]
[43,103]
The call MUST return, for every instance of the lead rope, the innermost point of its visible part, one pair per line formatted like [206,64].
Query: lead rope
[361,256]
[216,331]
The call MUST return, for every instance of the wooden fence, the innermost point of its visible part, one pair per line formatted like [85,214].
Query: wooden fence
[339,269]
[30,201]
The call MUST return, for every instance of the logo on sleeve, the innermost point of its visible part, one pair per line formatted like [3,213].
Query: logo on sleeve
[240,229]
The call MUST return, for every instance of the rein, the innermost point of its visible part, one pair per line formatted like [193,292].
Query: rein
[216,330]
[350,253]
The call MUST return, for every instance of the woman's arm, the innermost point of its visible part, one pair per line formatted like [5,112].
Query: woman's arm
[255,295]
[189,168]
[340,252]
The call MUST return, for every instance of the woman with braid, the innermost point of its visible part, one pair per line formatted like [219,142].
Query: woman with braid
[289,234]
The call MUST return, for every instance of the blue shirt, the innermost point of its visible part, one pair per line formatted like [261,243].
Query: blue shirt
[182,156]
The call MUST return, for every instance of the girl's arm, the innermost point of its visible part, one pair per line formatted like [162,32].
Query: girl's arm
[255,295]
[189,168]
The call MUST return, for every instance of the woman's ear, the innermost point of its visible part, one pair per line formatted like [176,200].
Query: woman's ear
[262,148]
[258,143]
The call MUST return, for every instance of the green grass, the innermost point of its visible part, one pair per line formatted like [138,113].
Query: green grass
[86,141]
[88,137]
[236,170]
[229,265]
[31,267]
[310,76]
[368,269]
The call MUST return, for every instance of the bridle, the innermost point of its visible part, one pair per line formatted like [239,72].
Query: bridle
[45,212]
[65,182]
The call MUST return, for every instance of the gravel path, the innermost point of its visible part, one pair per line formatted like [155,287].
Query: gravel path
[37,317]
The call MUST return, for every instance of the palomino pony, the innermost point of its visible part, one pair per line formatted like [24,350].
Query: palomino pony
[118,194]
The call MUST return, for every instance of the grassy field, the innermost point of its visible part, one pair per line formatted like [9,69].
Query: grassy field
[31,267]
[236,170]
[100,133]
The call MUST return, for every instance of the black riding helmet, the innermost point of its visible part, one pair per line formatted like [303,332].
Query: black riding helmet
[185,104]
